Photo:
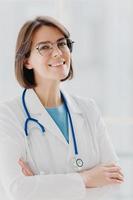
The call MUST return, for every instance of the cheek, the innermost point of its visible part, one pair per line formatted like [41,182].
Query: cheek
[37,62]
[68,57]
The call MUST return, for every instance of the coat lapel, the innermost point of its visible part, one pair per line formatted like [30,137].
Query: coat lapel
[78,121]
[37,111]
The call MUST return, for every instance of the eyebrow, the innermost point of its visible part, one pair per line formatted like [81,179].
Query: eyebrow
[43,42]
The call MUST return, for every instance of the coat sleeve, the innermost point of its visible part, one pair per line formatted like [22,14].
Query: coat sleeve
[106,149]
[38,187]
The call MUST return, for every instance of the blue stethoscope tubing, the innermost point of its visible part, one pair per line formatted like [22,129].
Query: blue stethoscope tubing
[77,161]
[29,118]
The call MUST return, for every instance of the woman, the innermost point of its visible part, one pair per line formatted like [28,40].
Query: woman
[53,145]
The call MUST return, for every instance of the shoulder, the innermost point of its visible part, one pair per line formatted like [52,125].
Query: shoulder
[79,99]
[11,107]
[88,106]
[11,118]
[88,103]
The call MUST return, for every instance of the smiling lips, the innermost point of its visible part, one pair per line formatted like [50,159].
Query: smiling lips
[57,64]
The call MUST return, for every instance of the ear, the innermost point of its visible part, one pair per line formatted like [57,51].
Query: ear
[27,64]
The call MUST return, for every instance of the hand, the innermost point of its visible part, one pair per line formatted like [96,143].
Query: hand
[25,168]
[102,175]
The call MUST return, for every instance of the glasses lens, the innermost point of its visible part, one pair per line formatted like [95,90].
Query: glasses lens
[62,44]
[44,49]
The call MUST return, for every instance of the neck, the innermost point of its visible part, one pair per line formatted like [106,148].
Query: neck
[49,94]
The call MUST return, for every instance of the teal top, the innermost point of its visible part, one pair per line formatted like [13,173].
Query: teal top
[59,115]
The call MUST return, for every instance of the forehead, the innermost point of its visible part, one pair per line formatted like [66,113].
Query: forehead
[46,33]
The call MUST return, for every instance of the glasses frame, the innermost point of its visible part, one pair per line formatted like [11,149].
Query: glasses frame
[69,45]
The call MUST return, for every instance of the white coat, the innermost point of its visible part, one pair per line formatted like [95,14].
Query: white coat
[50,153]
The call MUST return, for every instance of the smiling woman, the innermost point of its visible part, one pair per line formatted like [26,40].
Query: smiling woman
[73,151]
[40,39]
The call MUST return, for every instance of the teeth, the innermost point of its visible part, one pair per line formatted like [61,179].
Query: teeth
[56,64]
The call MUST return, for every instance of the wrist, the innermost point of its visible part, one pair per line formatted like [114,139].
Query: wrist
[84,178]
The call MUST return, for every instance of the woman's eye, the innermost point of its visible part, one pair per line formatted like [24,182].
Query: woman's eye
[44,47]
[62,44]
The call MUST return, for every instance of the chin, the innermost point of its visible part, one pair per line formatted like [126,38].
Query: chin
[63,76]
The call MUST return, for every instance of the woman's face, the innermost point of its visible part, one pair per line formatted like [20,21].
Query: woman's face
[50,55]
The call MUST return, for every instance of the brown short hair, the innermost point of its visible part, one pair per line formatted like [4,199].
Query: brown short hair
[25,76]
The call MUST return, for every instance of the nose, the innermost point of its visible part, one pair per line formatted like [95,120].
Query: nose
[56,51]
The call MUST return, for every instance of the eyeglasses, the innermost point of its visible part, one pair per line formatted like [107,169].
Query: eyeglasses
[63,44]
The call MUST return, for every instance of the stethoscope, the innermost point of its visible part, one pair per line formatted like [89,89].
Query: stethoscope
[77,163]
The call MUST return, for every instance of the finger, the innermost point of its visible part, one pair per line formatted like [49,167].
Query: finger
[110,165]
[24,166]
[115,181]
[29,172]
[115,169]
[21,163]
[24,172]
[120,174]
[115,176]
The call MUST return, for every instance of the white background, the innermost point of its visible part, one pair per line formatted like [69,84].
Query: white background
[102,57]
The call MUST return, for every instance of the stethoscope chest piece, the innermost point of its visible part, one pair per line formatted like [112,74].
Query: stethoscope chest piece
[77,163]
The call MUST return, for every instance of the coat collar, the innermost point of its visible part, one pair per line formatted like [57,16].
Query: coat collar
[35,106]
[37,110]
